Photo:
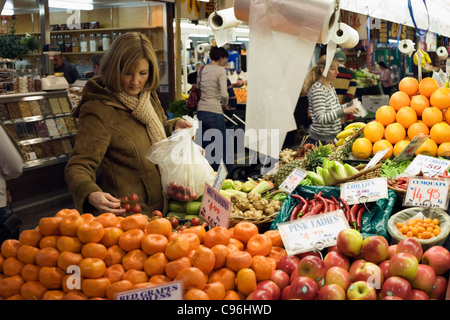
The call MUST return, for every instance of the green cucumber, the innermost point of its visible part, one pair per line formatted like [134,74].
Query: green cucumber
[177,206]
[180,215]
[193,207]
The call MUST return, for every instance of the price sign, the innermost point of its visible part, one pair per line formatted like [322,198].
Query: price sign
[427,192]
[411,148]
[376,158]
[312,233]
[364,190]
[215,208]
[430,166]
[222,173]
[168,291]
[293,180]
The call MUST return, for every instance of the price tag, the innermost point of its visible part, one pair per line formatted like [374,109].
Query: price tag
[430,166]
[222,174]
[364,190]
[215,208]
[411,148]
[427,192]
[376,158]
[168,291]
[312,233]
[293,180]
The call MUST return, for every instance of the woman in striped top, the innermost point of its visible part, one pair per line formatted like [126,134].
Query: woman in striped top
[324,107]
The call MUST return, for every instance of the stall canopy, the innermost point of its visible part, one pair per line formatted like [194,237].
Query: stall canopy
[436,21]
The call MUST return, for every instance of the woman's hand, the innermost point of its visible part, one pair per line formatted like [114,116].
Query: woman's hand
[182,124]
[105,202]
[351,110]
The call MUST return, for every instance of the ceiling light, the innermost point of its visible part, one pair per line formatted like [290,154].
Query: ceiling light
[8,9]
[79,5]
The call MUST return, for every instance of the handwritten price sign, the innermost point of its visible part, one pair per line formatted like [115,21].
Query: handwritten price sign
[430,166]
[427,192]
[215,208]
[293,180]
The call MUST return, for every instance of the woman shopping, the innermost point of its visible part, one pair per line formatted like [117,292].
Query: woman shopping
[385,77]
[324,107]
[213,100]
[120,117]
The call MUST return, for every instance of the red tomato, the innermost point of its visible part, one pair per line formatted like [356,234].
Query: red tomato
[134,197]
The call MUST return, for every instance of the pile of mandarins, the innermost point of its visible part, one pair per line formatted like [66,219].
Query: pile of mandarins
[115,254]
[418,108]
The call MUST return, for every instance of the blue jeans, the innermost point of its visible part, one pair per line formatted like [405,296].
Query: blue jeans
[3,214]
[213,136]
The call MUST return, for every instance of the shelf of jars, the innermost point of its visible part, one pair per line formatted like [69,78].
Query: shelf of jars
[41,123]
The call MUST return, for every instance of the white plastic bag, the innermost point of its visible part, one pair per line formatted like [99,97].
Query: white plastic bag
[184,170]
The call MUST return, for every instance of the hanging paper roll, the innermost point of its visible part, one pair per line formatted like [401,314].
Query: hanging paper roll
[407,47]
[222,23]
[442,53]
[344,35]
[203,47]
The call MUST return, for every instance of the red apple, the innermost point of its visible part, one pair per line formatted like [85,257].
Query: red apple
[286,292]
[332,292]
[392,250]
[332,248]
[339,276]
[336,259]
[361,290]
[384,266]
[355,264]
[371,273]
[349,242]
[417,294]
[313,267]
[404,265]
[439,289]
[309,253]
[438,258]
[375,249]
[396,286]
[271,287]
[281,278]
[391,298]
[424,279]
[293,276]
[304,288]
[288,264]
[259,294]
[410,245]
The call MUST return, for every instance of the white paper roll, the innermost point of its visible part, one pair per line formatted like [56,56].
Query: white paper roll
[223,19]
[344,35]
[203,47]
[406,46]
[442,53]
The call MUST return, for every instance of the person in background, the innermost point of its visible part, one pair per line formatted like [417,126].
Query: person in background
[120,117]
[192,77]
[68,69]
[213,100]
[11,167]
[95,63]
[324,107]
[345,83]
[385,77]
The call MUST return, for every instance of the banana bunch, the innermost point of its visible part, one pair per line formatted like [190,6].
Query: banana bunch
[447,84]
[348,131]
[425,58]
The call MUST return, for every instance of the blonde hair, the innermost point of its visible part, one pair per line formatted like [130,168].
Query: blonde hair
[315,73]
[124,56]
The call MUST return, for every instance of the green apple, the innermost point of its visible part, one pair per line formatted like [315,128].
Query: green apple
[349,242]
[404,265]
[361,290]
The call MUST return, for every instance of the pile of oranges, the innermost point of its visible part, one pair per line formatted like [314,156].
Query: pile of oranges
[418,108]
[241,95]
[419,228]
[116,254]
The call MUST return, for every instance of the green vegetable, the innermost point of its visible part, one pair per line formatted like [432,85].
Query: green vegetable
[180,215]
[226,194]
[227,184]
[262,187]
[177,206]
[237,192]
[314,178]
[248,185]
[328,178]
[391,169]
[337,170]
[193,207]
[237,185]
[350,170]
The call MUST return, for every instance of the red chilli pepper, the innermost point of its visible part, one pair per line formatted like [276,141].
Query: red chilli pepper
[322,200]
[346,208]
[359,218]
[353,211]
[295,211]
[315,210]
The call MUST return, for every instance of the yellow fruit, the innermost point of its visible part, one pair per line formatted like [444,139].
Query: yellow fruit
[394,133]
[409,85]
[428,148]
[417,129]
[362,148]
[374,131]
[399,100]
[440,98]
[440,132]
[419,103]
[444,149]
[431,116]
[383,144]
[399,146]
[427,86]
[385,115]
[406,116]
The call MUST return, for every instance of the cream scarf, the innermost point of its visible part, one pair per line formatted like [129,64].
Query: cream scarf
[142,109]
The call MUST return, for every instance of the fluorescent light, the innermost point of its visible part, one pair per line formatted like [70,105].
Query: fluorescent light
[79,5]
[242,39]
[8,9]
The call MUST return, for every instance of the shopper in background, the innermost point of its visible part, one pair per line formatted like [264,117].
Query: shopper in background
[120,117]
[213,100]
[385,77]
[68,69]
[324,106]
[11,166]
[192,77]
[95,63]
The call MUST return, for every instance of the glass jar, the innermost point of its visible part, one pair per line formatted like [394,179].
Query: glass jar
[67,43]
[61,43]
[98,38]
[106,42]
[92,43]
[83,43]
[75,44]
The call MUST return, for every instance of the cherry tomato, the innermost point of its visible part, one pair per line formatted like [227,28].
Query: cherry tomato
[127,207]
[204,224]
[171,193]
[181,228]
[156,214]
[174,221]
[173,185]
[186,198]
[134,197]
[124,199]
[195,221]
[194,195]
[137,208]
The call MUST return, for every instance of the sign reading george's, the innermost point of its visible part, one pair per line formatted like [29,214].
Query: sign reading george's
[167,291]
